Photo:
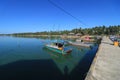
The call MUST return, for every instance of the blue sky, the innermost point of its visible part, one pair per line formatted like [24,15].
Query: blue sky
[41,15]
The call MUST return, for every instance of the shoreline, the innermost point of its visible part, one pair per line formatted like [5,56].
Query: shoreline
[36,36]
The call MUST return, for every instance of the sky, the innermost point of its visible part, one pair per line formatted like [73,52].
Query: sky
[41,15]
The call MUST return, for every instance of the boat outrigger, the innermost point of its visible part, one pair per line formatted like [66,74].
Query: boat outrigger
[59,48]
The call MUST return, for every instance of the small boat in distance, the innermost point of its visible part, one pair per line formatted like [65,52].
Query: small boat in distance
[82,44]
[88,38]
[58,47]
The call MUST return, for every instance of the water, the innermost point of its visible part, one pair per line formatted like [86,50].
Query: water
[28,59]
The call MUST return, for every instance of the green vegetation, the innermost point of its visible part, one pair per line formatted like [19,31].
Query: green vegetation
[98,30]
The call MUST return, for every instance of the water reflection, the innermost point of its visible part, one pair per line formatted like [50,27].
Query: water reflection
[22,58]
[66,76]
[71,60]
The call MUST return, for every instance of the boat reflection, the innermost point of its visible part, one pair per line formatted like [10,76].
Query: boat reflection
[68,62]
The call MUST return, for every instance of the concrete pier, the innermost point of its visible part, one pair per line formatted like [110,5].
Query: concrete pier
[106,64]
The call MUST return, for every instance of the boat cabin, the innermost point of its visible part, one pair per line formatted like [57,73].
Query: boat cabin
[59,44]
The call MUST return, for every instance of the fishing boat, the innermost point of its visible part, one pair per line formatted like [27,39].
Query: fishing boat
[88,39]
[58,47]
[79,44]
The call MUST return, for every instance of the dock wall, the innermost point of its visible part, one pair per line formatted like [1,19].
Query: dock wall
[106,64]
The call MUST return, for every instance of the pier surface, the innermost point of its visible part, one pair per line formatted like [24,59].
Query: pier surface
[106,64]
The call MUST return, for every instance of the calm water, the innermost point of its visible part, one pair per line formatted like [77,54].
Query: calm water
[28,59]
